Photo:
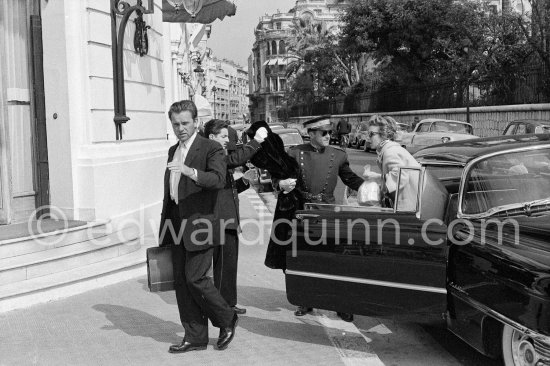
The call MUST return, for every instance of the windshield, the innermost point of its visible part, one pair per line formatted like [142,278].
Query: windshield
[290,139]
[444,126]
[507,180]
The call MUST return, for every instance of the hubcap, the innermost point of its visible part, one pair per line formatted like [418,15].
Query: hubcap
[523,350]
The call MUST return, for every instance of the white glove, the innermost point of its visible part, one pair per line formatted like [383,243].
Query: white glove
[261,134]
[287,185]
[370,175]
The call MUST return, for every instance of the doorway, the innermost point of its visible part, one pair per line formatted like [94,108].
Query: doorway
[22,117]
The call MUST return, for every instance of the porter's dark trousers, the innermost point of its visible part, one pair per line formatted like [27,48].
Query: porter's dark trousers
[225,267]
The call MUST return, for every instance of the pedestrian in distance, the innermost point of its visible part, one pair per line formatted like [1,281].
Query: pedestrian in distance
[415,122]
[195,173]
[226,255]
[320,165]
[391,156]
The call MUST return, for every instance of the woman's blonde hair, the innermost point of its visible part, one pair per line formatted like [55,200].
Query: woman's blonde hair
[387,126]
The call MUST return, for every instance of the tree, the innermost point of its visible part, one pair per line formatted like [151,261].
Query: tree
[413,39]
[534,21]
[315,69]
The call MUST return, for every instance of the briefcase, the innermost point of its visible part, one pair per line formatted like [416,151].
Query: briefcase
[160,273]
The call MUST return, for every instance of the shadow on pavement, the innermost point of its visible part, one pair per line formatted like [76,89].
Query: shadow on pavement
[291,332]
[137,323]
[458,348]
[263,298]
[168,297]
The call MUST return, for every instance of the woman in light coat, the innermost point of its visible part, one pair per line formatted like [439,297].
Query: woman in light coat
[391,157]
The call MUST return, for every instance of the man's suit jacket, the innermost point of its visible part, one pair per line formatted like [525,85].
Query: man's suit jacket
[196,200]
[228,202]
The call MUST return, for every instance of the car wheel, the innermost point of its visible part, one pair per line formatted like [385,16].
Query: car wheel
[517,348]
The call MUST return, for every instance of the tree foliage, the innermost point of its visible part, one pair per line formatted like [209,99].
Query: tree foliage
[421,41]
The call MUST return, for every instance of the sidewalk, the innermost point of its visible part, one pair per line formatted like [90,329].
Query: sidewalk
[125,324]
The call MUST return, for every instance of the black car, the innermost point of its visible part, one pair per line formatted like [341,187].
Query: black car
[470,246]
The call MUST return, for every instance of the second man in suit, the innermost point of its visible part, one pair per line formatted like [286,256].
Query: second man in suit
[226,255]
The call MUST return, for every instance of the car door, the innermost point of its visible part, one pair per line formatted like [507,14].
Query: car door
[372,261]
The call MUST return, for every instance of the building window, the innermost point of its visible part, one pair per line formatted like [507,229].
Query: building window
[493,9]
[278,25]
[273,47]
[282,49]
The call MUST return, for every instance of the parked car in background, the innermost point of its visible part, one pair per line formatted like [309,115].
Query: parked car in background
[472,249]
[361,139]
[432,131]
[240,128]
[525,126]
[291,137]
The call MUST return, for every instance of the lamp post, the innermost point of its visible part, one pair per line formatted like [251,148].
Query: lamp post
[466,50]
[123,8]
[214,90]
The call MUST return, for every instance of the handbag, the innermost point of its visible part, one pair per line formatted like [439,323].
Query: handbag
[160,271]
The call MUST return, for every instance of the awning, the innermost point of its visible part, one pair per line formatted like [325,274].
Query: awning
[196,11]
[282,61]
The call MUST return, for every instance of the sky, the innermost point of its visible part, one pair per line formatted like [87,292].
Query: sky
[233,37]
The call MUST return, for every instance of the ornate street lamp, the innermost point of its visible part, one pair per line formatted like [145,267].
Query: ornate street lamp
[123,8]
[214,90]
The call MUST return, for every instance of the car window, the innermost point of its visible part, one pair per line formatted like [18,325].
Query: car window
[444,126]
[424,127]
[510,129]
[521,130]
[291,139]
[445,171]
[407,192]
[507,179]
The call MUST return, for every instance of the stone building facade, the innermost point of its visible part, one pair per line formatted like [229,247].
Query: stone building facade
[267,63]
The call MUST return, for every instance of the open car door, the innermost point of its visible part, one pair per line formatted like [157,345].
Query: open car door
[374,261]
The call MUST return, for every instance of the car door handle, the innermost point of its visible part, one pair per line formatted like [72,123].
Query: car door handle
[306,216]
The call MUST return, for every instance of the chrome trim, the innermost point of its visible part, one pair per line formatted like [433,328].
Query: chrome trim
[468,167]
[405,286]
[544,339]
[428,162]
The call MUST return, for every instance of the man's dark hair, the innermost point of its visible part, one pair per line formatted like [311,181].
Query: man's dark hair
[182,106]
[214,126]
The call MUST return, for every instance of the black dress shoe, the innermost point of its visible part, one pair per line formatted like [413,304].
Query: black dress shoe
[239,311]
[227,334]
[302,310]
[186,347]
[347,317]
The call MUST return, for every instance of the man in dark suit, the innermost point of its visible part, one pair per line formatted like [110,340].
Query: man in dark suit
[226,255]
[195,173]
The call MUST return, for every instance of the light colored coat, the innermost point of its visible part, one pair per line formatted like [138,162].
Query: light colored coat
[391,157]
